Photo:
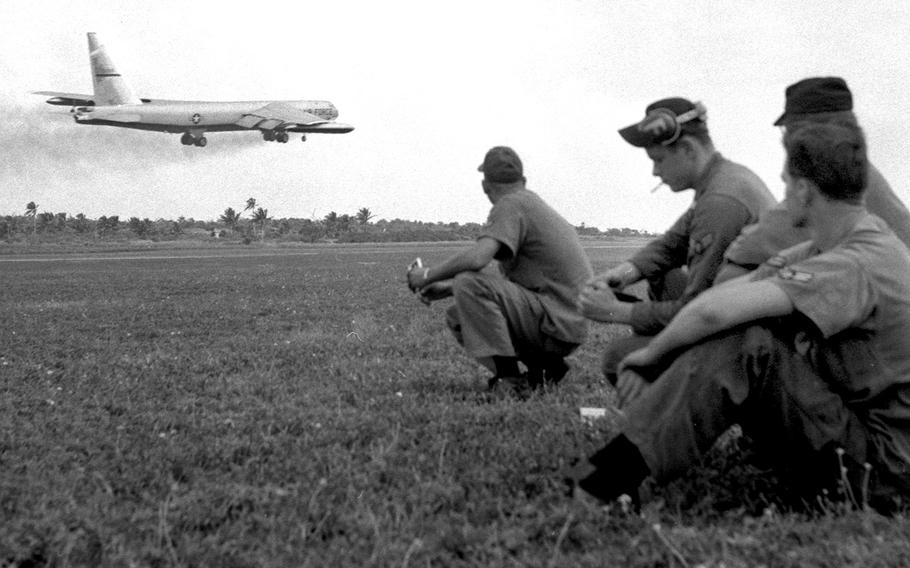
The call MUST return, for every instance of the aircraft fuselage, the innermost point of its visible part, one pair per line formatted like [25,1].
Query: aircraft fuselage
[200,116]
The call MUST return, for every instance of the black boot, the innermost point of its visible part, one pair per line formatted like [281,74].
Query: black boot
[619,469]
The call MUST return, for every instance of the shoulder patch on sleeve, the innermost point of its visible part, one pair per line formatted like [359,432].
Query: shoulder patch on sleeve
[795,275]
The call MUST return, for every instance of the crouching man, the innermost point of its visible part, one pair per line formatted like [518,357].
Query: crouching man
[810,354]
[525,310]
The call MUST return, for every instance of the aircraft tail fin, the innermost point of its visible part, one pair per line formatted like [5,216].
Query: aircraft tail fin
[110,87]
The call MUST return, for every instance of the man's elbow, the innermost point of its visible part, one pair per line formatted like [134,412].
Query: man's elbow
[478,257]
[709,316]
[474,262]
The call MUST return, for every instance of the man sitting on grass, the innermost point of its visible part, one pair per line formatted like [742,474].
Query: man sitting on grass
[809,354]
[683,262]
[525,310]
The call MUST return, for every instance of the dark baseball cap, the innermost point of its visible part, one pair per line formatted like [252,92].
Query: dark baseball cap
[501,165]
[665,120]
[815,95]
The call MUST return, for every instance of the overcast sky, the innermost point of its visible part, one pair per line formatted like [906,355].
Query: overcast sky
[430,86]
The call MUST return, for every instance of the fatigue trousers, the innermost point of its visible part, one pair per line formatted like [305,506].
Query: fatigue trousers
[768,379]
[493,316]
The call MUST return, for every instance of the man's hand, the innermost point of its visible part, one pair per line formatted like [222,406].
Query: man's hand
[417,275]
[639,359]
[630,383]
[599,303]
[618,277]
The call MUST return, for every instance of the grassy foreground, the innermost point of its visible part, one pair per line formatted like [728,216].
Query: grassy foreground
[301,408]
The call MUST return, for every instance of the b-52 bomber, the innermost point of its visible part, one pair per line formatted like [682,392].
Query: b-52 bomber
[115,104]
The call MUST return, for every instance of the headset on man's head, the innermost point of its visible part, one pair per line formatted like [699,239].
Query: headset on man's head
[662,121]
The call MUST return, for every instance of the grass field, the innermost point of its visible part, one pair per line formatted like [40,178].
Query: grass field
[298,407]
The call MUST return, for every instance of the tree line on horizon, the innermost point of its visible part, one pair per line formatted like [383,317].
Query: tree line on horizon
[251,223]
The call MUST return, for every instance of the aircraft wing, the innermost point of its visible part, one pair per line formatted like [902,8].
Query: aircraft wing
[67,99]
[279,116]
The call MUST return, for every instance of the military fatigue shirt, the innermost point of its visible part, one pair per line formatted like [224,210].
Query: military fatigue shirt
[728,196]
[541,252]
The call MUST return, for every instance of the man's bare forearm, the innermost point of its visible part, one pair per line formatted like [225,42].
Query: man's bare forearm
[720,309]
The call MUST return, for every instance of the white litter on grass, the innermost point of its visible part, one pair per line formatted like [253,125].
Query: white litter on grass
[589,414]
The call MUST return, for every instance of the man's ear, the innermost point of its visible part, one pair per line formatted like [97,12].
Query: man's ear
[687,145]
[806,191]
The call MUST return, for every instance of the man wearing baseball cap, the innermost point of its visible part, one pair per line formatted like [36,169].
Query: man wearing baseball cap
[684,261]
[812,100]
[524,311]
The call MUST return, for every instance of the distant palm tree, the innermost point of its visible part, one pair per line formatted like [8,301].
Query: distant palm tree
[260,217]
[363,215]
[230,218]
[250,204]
[31,210]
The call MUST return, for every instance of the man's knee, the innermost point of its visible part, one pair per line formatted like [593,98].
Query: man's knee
[469,283]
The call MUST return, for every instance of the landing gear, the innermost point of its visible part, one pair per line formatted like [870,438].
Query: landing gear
[275,136]
[303,138]
[189,140]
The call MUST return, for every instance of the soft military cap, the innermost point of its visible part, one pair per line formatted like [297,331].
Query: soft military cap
[501,165]
[664,122]
[815,95]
